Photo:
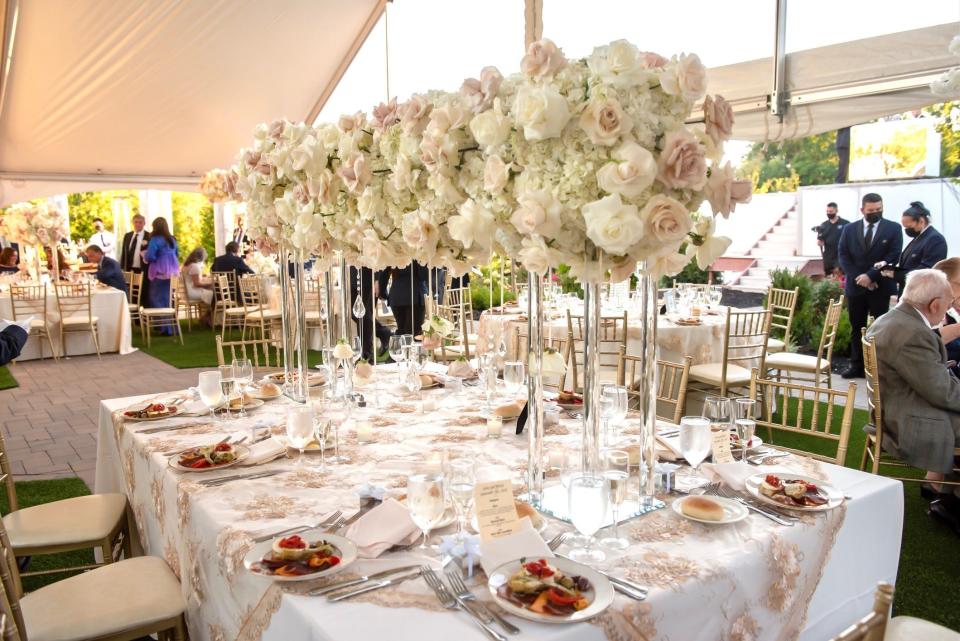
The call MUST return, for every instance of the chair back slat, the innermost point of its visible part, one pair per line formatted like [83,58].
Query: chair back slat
[74,300]
[872,627]
[562,344]
[671,384]
[134,287]
[746,336]
[29,300]
[10,582]
[613,337]
[262,353]
[828,336]
[782,304]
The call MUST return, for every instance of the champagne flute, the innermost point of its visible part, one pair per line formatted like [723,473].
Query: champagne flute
[426,503]
[616,471]
[695,443]
[337,410]
[588,497]
[513,376]
[321,429]
[300,428]
[228,384]
[357,346]
[461,478]
[210,391]
[745,423]
[243,371]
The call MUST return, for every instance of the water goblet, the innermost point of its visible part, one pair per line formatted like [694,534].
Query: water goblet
[718,410]
[513,376]
[395,347]
[228,385]
[321,430]
[243,372]
[745,423]
[337,410]
[211,394]
[588,496]
[300,428]
[425,498]
[460,480]
[695,444]
[616,471]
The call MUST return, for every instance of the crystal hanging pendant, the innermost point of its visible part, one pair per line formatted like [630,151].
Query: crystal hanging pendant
[359,310]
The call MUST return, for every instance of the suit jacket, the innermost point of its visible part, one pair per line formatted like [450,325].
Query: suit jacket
[921,398]
[921,252]
[12,340]
[126,256]
[109,273]
[399,293]
[856,258]
[230,263]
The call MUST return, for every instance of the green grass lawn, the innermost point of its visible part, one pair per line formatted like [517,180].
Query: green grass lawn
[6,378]
[199,348]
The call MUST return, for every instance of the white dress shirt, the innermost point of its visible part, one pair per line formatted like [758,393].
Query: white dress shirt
[105,241]
[135,249]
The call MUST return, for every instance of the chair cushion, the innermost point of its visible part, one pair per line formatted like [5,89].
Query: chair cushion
[712,374]
[157,311]
[82,321]
[76,520]
[910,629]
[37,323]
[792,361]
[775,345]
[104,602]
[266,314]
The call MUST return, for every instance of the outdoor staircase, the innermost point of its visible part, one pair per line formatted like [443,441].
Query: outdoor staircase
[777,248]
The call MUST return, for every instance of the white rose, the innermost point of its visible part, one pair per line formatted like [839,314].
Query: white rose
[613,226]
[342,351]
[541,111]
[538,213]
[496,173]
[535,255]
[370,204]
[665,219]
[604,121]
[442,120]
[948,85]
[685,77]
[490,128]
[419,231]
[633,173]
[706,247]
[402,176]
[551,364]
[668,263]
[619,64]
[473,226]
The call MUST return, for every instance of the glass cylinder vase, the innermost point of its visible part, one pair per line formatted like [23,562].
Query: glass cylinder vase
[535,425]
[590,444]
[293,317]
[647,385]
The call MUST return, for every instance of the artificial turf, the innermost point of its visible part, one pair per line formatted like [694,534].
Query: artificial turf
[7,380]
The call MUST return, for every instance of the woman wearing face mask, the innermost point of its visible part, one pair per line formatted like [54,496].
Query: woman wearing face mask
[927,246]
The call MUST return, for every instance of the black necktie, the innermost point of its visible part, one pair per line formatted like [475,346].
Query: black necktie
[869,238]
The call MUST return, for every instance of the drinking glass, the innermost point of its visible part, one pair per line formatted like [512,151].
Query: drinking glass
[460,479]
[745,423]
[395,347]
[357,349]
[300,428]
[412,377]
[425,500]
[719,411]
[337,410]
[616,471]
[321,429]
[613,409]
[513,376]
[716,295]
[695,443]
[210,391]
[407,339]
[243,372]
[228,384]
[588,497]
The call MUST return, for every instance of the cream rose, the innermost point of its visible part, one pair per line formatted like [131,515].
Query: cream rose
[718,118]
[605,122]
[447,117]
[355,172]
[535,255]
[413,114]
[541,111]
[665,219]
[552,363]
[538,213]
[473,226]
[342,350]
[439,154]
[682,163]
[724,192]
[543,59]
[496,174]
[619,64]
[420,232]
[651,60]
[386,114]
[612,225]
[479,94]
[631,174]
[490,128]
[668,263]
[685,77]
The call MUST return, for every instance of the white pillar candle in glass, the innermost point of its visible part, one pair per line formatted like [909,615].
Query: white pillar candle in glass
[494,427]
[428,405]
[364,431]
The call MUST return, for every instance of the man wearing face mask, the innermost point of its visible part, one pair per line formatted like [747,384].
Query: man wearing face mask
[864,244]
[828,238]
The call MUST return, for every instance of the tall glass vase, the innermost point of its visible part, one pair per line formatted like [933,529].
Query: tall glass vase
[535,425]
[294,324]
[590,448]
[647,385]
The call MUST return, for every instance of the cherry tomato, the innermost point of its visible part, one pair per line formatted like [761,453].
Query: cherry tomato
[223,447]
[199,464]
[292,542]
[772,479]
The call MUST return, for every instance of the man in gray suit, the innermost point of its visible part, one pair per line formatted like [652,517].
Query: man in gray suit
[921,398]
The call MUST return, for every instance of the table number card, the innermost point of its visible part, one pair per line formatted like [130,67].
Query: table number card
[720,447]
[496,514]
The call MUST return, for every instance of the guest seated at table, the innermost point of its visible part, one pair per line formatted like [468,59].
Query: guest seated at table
[950,330]
[198,287]
[230,261]
[8,261]
[921,398]
[13,337]
[62,265]
[108,270]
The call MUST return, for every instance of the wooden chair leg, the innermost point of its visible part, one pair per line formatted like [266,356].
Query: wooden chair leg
[96,340]
[863,458]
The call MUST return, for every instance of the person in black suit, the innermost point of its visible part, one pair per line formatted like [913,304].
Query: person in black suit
[108,270]
[863,245]
[828,237]
[231,262]
[368,330]
[134,242]
[240,238]
[926,248]
[12,339]
[407,305]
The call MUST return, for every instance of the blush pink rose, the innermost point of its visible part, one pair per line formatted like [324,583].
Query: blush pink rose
[355,172]
[386,114]
[651,60]
[479,94]
[276,129]
[543,59]
[604,121]
[413,114]
[718,118]
[725,192]
[251,159]
[682,164]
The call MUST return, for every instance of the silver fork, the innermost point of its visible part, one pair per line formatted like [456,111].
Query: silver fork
[299,528]
[461,590]
[623,586]
[776,517]
[336,525]
[450,602]
[557,541]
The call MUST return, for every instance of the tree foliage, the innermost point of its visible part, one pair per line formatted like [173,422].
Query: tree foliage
[87,205]
[193,224]
[784,166]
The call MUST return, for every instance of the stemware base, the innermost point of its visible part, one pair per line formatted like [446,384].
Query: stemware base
[587,556]
[615,543]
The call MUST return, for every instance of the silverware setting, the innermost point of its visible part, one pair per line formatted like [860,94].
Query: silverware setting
[168,428]
[717,489]
[376,585]
[469,599]
[299,528]
[449,601]
[238,477]
[759,459]
[623,586]
[349,583]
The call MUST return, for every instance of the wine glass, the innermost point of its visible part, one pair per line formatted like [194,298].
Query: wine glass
[745,423]
[716,295]
[228,384]
[357,347]
[425,500]
[321,429]
[210,391]
[718,409]
[243,372]
[695,443]
[395,347]
[300,428]
[513,376]
[613,409]
[461,477]
[616,471]
[337,410]
[588,497]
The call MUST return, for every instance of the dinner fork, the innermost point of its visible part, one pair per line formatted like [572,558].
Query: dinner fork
[450,602]
[717,490]
[461,591]
[299,528]
[336,525]
[557,541]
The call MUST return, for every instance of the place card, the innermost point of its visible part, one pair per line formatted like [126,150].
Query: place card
[720,447]
[496,514]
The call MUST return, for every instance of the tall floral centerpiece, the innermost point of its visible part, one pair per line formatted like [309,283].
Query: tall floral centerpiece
[39,225]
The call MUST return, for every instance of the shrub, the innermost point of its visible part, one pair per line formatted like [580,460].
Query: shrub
[824,293]
[803,321]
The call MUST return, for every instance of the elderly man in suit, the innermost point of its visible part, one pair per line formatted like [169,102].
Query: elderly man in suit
[863,245]
[108,270]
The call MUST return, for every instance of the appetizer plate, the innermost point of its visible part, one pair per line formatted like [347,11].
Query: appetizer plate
[313,380]
[755,442]
[313,447]
[252,403]
[600,593]
[732,511]
[176,409]
[348,554]
[571,407]
[242,452]
[833,495]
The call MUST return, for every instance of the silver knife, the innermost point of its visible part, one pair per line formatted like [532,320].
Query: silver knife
[375,586]
[629,585]
[333,587]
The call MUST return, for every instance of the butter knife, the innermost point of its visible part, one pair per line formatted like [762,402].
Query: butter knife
[375,586]
[333,587]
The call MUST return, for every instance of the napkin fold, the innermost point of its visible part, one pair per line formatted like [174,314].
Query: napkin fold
[381,528]
[265,451]
[525,542]
[670,447]
[733,475]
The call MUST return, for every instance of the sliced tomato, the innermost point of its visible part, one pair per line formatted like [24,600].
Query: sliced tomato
[199,464]
[223,447]
[292,542]
[559,598]
[773,479]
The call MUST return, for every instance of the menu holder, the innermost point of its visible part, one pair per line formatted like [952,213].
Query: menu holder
[720,447]
[496,513]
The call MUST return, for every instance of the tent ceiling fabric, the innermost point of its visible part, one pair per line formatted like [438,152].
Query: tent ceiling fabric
[165,87]
[889,57]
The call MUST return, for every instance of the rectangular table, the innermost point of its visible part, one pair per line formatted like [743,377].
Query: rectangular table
[750,580]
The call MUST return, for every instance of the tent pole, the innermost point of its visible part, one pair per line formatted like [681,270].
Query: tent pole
[778,97]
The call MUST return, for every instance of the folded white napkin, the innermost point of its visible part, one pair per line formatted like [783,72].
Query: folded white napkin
[732,475]
[264,451]
[671,445]
[196,408]
[23,323]
[524,542]
[435,368]
[381,528]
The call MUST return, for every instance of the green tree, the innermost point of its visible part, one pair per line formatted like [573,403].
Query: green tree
[193,223]
[87,205]
[783,166]
[947,115]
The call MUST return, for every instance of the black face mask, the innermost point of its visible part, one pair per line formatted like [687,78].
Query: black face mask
[831,216]
[911,232]
[873,218]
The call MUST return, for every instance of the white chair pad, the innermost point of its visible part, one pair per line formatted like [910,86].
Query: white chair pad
[157,311]
[712,374]
[37,323]
[791,361]
[910,629]
[266,315]
[775,345]
[104,602]
[76,520]
[82,321]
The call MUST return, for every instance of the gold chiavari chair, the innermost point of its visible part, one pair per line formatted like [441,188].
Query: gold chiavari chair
[562,344]
[262,353]
[458,309]
[744,346]
[804,410]
[134,293]
[872,627]
[31,300]
[161,317]
[781,303]
[613,337]
[805,365]
[671,384]
[122,601]
[231,277]
[76,313]
[314,298]
[190,306]
[226,312]
[873,448]
[79,523]
[258,317]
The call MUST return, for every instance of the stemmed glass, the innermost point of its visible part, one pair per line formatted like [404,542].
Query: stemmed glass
[695,443]
[243,372]
[616,464]
[613,409]
[745,423]
[337,409]
[395,347]
[321,429]
[228,384]
[300,428]
[513,376]
[715,296]
[210,391]
[718,410]
[426,502]
[357,346]
[461,477]
[588,497]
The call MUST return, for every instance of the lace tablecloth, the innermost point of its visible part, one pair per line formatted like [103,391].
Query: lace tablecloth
[748,581]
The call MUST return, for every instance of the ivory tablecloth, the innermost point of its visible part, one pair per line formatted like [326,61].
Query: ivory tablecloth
[748,581]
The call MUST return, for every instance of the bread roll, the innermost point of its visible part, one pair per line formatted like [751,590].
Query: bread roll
[269,389]
[509,410]
[700,507]
[426,380]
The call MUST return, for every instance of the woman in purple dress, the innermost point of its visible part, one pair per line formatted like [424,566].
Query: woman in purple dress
[163,266]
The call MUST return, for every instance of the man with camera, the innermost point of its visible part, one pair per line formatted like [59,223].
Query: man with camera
[828,238]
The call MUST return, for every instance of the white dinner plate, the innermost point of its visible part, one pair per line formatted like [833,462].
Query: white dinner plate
[755,442]
[348,554]
[313,380]
[732,511]
[600,593]
[834,496]
[571,407]
[312,447]
[177,410]
[242,452]
[253,403]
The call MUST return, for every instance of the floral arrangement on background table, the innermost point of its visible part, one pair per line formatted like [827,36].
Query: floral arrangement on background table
[217,185]
[35,225]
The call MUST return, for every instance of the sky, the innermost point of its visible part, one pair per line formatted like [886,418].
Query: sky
[435,44]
